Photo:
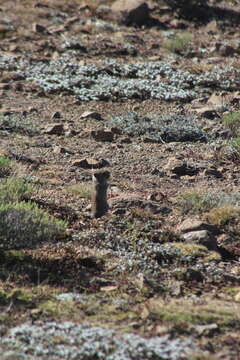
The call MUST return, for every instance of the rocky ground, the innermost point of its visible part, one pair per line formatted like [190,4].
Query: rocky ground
[154,98]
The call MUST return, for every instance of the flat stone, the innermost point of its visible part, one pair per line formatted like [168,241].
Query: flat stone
[4,86]
[91,114]
[194,224]
[237,297]
[10,77]
[56,115]
[125,140]
[4,28]
[54,129]
[201,237]
[180,167]
[206,330]
[216,99]
[212,173]
[102,135]
[61,150]
[207,112]
[38,28]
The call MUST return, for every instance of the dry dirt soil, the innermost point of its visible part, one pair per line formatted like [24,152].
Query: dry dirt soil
[158,105]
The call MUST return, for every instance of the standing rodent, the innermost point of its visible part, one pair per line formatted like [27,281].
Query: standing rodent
[99,195]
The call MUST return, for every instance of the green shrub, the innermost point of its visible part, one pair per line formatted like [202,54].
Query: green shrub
[4,162]
[235,147]
[232,121]
[18,124]
[160,128]
[179,43]
[4,166]
[14,189]
[197,201]
[25,225]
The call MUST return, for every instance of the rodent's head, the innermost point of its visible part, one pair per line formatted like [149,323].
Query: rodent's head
[101,176]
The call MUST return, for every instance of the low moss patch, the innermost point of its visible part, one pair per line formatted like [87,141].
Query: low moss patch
[185,312]
[195,251]
[179,43]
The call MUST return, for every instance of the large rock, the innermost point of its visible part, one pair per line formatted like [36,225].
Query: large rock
[193,230]
[201,237]
[179,167]
[131,12]
[194,224]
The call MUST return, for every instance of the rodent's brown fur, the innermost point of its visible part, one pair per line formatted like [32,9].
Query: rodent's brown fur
[99,194]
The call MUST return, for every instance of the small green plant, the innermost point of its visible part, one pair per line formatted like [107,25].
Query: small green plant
[4,162]
[232,121]
[198,201]
[82,190]
[159,128]
[4,166]
[235,147]
[179,43]
[25,225]
[14,189]
[18,124]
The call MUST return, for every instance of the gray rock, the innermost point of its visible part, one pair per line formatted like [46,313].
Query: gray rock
[102,135]
[38,28]
[201,237]
[206,330]
[208,112]
[56,115]
[91,114]
[194,224]
[180,167]
[212,172]
[54,129]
